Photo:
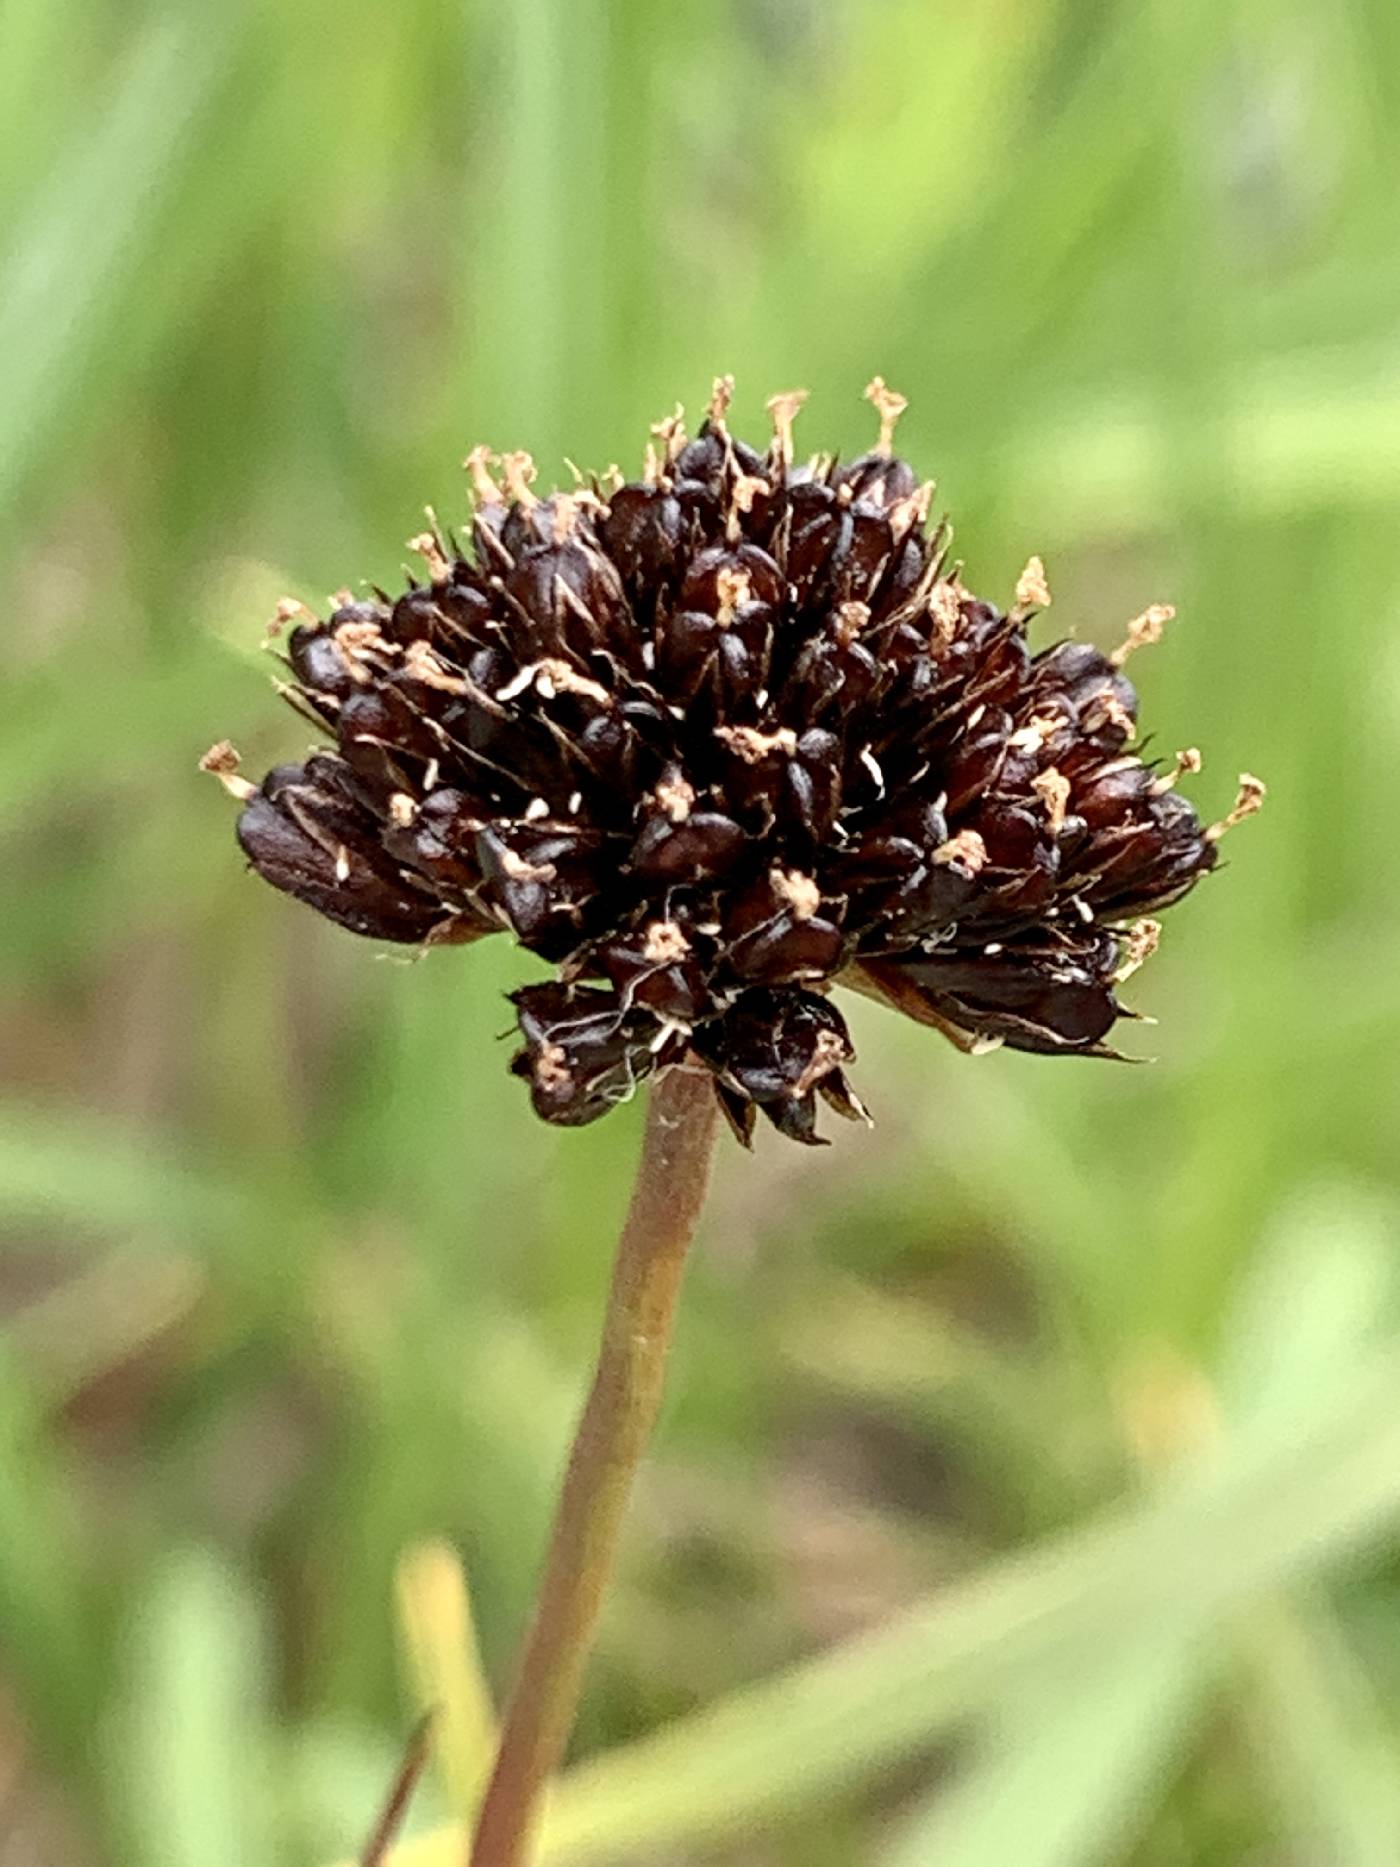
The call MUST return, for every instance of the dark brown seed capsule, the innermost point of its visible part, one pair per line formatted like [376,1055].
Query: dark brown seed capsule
[716,740]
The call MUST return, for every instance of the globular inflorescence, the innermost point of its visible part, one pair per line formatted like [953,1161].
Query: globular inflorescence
[713,740]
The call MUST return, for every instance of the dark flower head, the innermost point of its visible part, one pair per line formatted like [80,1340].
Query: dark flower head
[712,740]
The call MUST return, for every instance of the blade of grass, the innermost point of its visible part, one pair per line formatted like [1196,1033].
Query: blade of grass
[1280,1507]
[1323,1742]
[65,1169]
[188,1738]
[439,1636]
[1324,1746]
[99,1318]
[85,228]
[45,1609]
[1070,1765]
[1301,433]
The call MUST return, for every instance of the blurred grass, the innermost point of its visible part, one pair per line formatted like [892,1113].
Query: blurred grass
[1078,1383]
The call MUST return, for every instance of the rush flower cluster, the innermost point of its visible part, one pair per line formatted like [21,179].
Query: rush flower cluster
[713,740]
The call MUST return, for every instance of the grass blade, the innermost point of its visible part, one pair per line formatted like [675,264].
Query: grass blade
[189,1737]
[84,230]
[435,1619]
[1069,1766]
[1276,1510]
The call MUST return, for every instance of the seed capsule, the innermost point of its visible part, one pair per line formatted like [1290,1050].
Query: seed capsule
[714,740]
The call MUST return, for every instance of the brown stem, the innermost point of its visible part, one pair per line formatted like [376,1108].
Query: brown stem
[608,1447]
[400,1795]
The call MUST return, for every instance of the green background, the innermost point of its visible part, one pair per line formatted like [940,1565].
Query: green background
[1078,1384]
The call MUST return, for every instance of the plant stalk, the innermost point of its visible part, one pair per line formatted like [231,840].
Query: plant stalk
[608,1448]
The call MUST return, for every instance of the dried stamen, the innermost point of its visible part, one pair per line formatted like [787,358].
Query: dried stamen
[552,676]
[851,618]
[966,848]
[733,587]
[783,411]
[1032,591]
[905,514]
[1248,800]
[565,513]
[517,869]
[828,1051]
[477,463]
[519,471]
[290,609]
[676,796]
[221,761]
[670,431]
[799,892]
[1106,709]
[429,547]
[889,405]
[1052,788]
[752,746]
[1187,761]
[1139,944]
[945,609]
[551,1067]
[1143,631]
[664,944]
[423,665]
[747,487]
[1038,731]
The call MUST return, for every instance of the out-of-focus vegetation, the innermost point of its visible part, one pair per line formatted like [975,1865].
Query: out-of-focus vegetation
[1029,1488]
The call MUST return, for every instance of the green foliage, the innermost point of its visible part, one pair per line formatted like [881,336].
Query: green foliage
[1029,1488]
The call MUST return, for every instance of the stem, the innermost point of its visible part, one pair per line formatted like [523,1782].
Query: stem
[608,1447]
[400,1795]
